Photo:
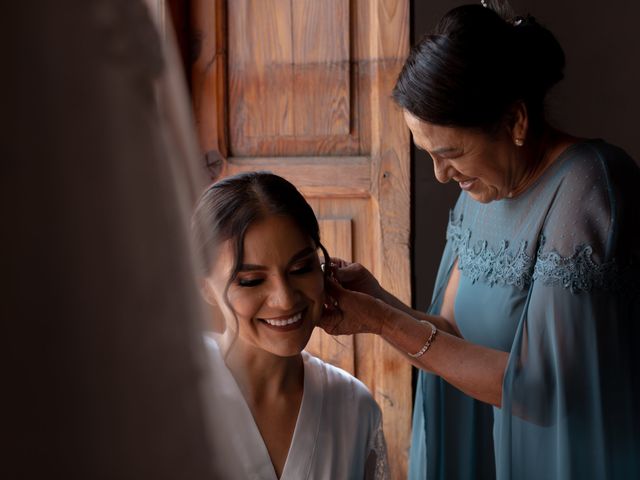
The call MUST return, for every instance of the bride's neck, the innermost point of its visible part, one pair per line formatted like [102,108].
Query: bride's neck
[261,374]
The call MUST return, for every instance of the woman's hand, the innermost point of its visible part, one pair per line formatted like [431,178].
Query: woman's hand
[348,312]
[478,371]
[354,276]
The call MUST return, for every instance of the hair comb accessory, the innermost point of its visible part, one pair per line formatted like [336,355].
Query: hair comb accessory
[526,20]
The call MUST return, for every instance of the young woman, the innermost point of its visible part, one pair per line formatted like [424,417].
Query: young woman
[280,412]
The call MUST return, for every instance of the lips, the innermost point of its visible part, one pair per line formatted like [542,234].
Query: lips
[467,184]
[287,321]
[284,324]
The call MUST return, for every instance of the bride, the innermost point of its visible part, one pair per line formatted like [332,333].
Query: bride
[280,412]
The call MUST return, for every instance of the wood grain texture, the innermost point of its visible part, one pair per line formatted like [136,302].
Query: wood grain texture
[390,159]
[292,83]
[321,86]
[260,69]
[325,177]
[208,74]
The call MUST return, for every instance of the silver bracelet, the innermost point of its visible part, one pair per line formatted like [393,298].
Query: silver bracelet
[428,343]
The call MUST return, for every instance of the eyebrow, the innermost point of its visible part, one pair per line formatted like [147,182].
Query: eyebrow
[305,252]
[442,150]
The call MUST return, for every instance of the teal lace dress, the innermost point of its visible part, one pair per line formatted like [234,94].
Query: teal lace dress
[551,277]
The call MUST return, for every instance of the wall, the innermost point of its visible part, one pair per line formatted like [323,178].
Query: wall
[599,97]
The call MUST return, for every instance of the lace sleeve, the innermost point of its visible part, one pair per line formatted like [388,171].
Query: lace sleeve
[377,465]
[582,246]
[570,387]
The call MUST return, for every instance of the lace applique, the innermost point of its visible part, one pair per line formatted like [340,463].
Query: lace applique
[578,273]
[480,262]
[378,449]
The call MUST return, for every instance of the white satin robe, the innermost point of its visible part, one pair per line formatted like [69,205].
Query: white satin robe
[338,433]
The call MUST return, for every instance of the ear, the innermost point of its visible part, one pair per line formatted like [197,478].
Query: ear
[518,123]
[207,292]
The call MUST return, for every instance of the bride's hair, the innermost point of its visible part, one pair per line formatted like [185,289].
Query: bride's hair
[228,207]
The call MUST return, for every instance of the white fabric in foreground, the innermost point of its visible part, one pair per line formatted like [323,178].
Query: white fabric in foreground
[104,364]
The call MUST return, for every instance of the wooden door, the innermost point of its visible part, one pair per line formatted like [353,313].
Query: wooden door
[302,88]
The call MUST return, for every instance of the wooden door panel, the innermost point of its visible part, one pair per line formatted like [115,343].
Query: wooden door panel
[329,177]
[336,236]
[360,213]
[260,69]
[321,36]
[302,88]
[290,78]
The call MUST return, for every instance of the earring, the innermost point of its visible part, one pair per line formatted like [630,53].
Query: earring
[519,142]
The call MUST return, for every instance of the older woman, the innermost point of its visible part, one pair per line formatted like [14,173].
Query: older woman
[530,341]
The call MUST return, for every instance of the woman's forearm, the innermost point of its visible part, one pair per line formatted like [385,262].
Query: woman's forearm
[477,371]
[441,323]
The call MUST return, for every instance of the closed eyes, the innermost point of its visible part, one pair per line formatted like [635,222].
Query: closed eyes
[250,282]
[300,269]
[307,267]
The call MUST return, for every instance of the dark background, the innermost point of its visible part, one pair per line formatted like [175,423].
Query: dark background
[598,98]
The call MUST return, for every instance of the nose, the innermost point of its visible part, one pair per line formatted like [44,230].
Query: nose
[442,170]
[283,295]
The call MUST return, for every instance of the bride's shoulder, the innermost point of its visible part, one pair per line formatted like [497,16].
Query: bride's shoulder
[340,384]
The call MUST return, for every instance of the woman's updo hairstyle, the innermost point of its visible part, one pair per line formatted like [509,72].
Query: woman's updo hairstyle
[227,209]
[476,64]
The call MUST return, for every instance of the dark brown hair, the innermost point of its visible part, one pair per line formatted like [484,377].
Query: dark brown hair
[475,65]
[228,207]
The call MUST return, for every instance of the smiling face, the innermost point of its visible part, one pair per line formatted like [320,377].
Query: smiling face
[487,167]
[278,294]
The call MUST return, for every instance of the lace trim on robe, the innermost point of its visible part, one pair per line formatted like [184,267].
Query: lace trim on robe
[577,273]
[379,448]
